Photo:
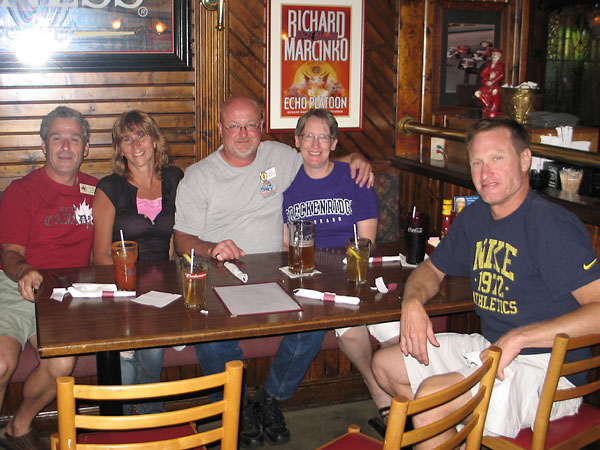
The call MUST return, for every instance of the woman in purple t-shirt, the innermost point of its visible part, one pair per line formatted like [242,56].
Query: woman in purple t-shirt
[319,181]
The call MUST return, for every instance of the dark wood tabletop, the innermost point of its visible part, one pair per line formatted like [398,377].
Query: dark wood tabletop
[79,326]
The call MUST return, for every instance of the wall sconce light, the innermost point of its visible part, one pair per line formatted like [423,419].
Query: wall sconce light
[211,5]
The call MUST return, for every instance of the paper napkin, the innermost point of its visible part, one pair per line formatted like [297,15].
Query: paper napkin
[97,290]
[406,264]
[378,259]
[382,287]
[327,296]
[155,298]
[286,270]
[236,272]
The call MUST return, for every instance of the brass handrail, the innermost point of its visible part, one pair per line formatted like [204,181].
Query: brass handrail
[409,125]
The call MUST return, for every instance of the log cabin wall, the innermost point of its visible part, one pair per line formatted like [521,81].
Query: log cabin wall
[185,104]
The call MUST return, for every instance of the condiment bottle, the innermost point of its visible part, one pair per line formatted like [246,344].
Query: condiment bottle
[446,216]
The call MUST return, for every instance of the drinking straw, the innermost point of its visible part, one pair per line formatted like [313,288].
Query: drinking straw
[355,254]
[122,239]
[189,291]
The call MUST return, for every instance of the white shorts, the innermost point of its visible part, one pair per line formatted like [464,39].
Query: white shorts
[514,401]
[383,332]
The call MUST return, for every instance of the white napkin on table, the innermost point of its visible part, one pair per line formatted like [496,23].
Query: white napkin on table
[236,272]
[155,298]
[97,290]
[407,264]
[327,296]
[382,287]
[378,259]
[286,270]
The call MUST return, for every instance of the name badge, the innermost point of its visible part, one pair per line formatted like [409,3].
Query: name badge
[268,174]
[87,189]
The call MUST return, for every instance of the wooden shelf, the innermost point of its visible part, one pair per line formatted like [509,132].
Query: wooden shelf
[586,208]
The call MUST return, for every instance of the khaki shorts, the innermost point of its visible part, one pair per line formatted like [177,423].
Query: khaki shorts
[17,319]
[514,401]
[383,332]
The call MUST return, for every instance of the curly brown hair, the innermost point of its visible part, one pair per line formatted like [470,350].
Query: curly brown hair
[135,120]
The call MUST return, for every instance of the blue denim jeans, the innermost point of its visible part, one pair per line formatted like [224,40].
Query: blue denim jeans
[291,362]
[144,367]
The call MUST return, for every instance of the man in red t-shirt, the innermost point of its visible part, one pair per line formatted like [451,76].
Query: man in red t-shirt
[45,222]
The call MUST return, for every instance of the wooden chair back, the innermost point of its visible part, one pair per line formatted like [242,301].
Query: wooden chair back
[229,408]
[580,431]
[559,368]
[472,414]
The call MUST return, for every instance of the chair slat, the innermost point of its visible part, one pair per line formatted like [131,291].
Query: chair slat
[543,429]
[147,427]
[475,409]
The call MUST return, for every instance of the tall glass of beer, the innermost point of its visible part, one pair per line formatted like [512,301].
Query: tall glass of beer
[301,255]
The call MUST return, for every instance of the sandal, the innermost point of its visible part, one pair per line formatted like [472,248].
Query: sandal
[379,423]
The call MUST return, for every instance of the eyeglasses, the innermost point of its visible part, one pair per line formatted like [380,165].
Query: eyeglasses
[235,128]
[322,138]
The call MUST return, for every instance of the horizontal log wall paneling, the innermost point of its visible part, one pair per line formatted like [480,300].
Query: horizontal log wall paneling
[27,97]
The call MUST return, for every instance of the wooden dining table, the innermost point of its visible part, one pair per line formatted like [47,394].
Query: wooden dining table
[104,326]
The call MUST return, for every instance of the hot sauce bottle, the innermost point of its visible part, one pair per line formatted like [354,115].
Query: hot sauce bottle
[446,216]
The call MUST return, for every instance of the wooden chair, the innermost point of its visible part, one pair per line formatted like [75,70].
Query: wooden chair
[568,432]
[168,430]
[472,415]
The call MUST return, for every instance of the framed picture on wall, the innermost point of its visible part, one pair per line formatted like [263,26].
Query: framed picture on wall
[464,33]
[315,58]
[92,35]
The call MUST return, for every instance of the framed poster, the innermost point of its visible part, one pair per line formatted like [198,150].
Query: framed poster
[105,35]
[315,57]
[465,33]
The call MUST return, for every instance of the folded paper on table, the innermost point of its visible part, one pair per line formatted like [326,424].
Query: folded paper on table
[155,298]
[406,264]
[286,270]
[236,272]
[378,259]
[382,287]
[97,290]
[256,298]
[327,296]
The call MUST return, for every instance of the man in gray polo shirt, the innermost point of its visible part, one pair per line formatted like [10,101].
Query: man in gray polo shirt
[229,205]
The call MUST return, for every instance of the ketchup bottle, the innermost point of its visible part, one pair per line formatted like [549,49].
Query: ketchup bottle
[446,216]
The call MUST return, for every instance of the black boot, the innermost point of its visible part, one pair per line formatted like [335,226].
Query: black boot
[269,413]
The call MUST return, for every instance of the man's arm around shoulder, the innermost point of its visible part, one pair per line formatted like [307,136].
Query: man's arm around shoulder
[358,163]
[415,326]
[17,269]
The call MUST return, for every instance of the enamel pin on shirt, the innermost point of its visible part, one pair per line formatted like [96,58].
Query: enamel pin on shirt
[266,186]
[87,189]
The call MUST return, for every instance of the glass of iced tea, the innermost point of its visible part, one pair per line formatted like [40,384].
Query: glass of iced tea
[301,253]
[357,254]
[193,279]
[125,256]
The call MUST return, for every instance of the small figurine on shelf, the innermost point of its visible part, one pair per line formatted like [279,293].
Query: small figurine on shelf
[489,92]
